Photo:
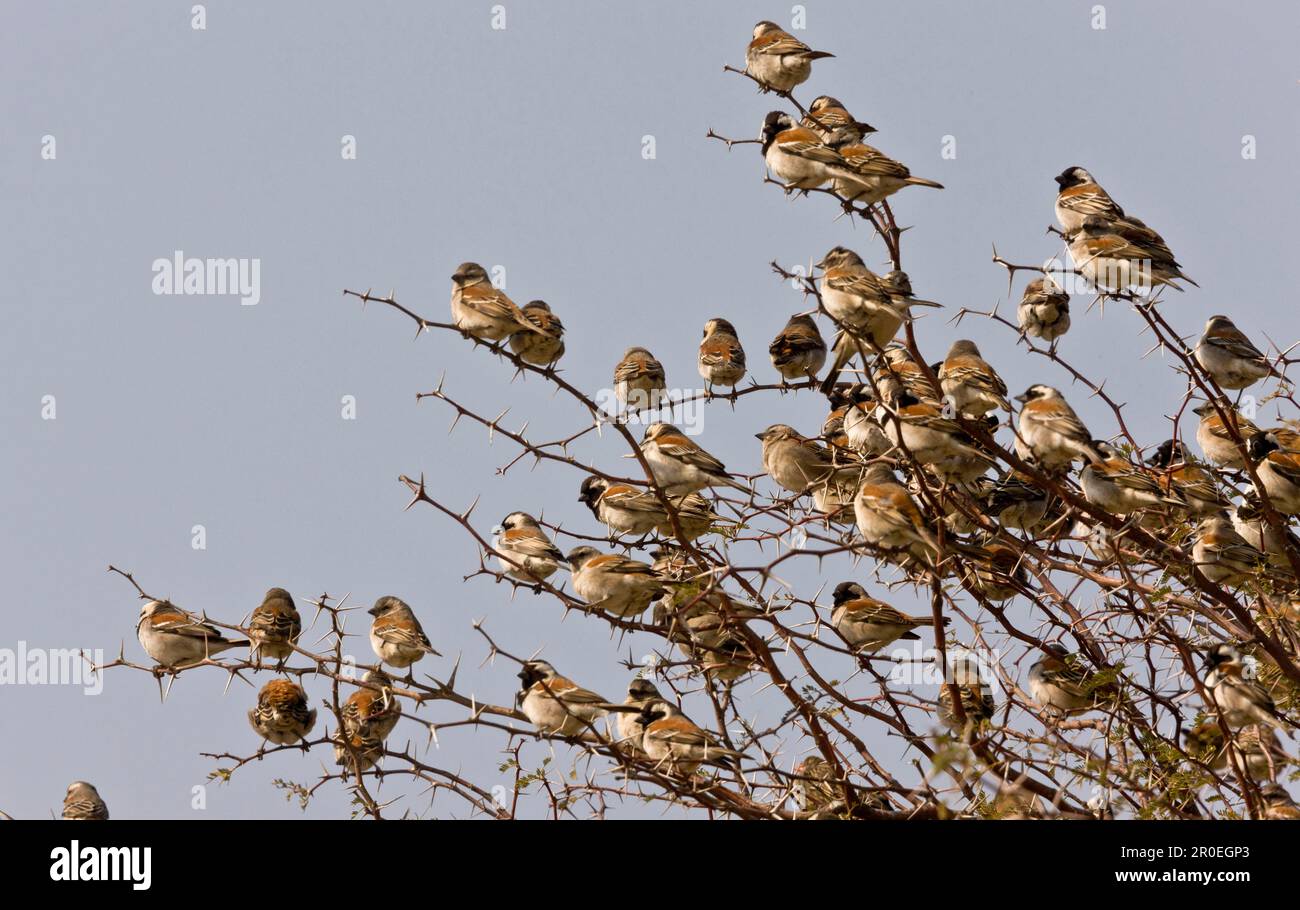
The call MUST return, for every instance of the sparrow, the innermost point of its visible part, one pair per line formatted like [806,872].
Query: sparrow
[1278,804]
[1261,753]
[1080,196]
[395,635]
[828,118]
[1061,684]
[973,387]
[977,702]
[275,626]
[996,571]
[557,706]
[640,693]
[901,374]
[1016,502]
[540,349]
[480,310]
[1050,433]
[1229,357]
[173,638]
[1044,310]
[722,359]
[680,466]
[620,586]
[371,715]
[705,628]
[795,462]
[1111,259]
[868,624]
[1242,701]
[1248,521]
[1182,479]
[798,156]
[862,431]
[798,351]
[639,381]
[676,744]
[82,803]
[875,176]
[631,510]
[1120,487]
[888,517]
[1216,439]
[935,441]
[1278,470]
[282,715]
[524,552]
[368,750]
[777,59]
[1223,555]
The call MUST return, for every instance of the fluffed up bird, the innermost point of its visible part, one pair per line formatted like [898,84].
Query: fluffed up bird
[368,719]
[174,638]
[868,624]
[1216,438]
[615,584]
[82,803]
[524,552]
[483,311]
[970,383]
[540,349]
[275,625]
[679,465]
[1229,357]
[1050,434]
[1044,310]
[1061,684]
[798,351]
[793,461]
[676,744]
[396,635]
[1223,555]
[282,715]
[555,705]
[977,702]
[888,517]
[777,59]
[639,380]
[722,359]
[1242,700]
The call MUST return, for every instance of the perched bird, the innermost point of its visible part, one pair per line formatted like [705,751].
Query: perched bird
[620,586]
[1278,470]
[793,461]
[1060,683]
[1242,700]
[485,312]
[888,517]
[798,351]
[901,374]
[640,693]
[868,624]
[524,552]
[862,431]
[1113,260]
[798,157]
[395,634]
[82,803]
[679,465]
[1050,434]
[1120,487]
[1080,196]
[970,383]
[544,348]
[557,706]
[722,359]
[631,510]
[275,625]
[708,629]
[174,638]
[1229,357]
[1216,438]
[1183,479]
[777,59]
[977,703]
[1278,804]
[937,442]
[366,749]
[1016,502]
[282,716]
[829,118]
[1223,555]
[1261,753]
[639,381]
[674,742]
[369,713]
[874,175]
[996,571]
[1044,310]
[1248,521]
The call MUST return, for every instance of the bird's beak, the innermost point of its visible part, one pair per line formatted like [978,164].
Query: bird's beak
[1022,398]
[497,529]
[760,435]
[1060,180]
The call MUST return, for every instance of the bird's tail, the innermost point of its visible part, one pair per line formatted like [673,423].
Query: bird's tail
[921,181]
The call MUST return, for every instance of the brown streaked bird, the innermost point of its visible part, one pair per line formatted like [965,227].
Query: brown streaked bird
[1278,803]
[722,359]
[615,584]
[370,714]
[523,550]
[1249,521]
[1261,753]
[679,465]
[1044,310]
[1230,357]
[1062,685]
[555,705]
[677,744]
[935,441]
[900,374]
[777,59]
[996,571]
[1050,433]
[174,638]
[829,118]
[639,380]
[874,175]
[972,385]
[542,349]
[396,636]
[632,510]
[1184,479]
[798,351]
[978,704]
[275,626]
[282,715]
[888,517]
[1237,694]
[1113,259]
[1223,555]
[1216,438]
[1278,470]
[82,803]
[1121,487]
[868,624]
[798,157]
[793,461]
[1079,196]
[481,310]
[640,693]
